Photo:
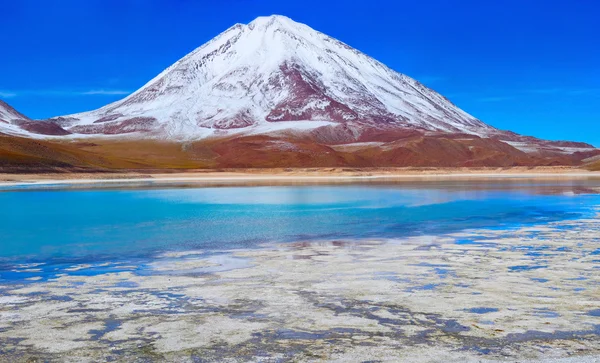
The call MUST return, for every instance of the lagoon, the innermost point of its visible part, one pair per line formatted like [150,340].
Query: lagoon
[44,225]
[473,270]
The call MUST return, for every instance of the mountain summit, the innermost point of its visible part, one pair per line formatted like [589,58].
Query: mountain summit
[275,73]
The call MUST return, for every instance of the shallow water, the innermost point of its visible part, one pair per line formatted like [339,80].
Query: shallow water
[436,271]
[95,225]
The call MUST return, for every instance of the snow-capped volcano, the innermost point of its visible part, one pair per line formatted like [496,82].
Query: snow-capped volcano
[277,94]
[274,74]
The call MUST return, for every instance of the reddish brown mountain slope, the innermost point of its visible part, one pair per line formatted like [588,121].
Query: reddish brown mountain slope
[261,151]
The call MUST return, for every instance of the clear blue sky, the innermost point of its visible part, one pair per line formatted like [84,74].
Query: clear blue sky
[531,66]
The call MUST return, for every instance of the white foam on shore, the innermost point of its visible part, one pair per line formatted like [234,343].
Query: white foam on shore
[297,178]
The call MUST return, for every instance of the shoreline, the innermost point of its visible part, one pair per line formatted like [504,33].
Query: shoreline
[293,176]
[427,303]
[504,288]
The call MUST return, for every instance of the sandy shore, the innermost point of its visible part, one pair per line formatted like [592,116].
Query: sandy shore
[287,176]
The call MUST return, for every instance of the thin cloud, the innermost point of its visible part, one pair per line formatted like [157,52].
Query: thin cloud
[113,81]
[106,92]
[457,95]
[584,91]
[7,94]
[545,91]
[64,93]
[430,79]
[564,91]
[524,94]
[495,99]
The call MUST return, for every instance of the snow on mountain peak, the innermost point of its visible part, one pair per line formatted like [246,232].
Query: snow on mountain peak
[275,73]
[7,113]
[271,20]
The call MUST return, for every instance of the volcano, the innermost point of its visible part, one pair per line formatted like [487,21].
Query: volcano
[275,74]
[278,90]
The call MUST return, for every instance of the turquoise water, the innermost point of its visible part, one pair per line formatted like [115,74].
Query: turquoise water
[65,226]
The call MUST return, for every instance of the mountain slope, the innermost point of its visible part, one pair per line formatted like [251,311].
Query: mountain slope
[8,113]
[312,148]
[275,74]
[13,122]
[19,154]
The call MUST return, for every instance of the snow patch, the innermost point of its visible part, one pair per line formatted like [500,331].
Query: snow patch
[242,71]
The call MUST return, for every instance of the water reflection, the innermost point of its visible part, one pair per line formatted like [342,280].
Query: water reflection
[106,224]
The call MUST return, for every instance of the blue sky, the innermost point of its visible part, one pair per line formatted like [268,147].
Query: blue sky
[531,66]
